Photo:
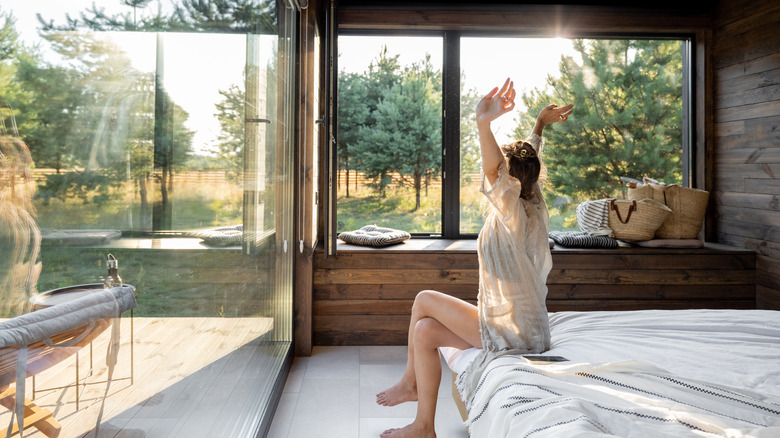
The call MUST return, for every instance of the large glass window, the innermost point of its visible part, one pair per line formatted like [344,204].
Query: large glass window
[627,123]
[390,133]
[159,135]
[627,119]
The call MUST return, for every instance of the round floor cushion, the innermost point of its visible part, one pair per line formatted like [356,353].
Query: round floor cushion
[372,235]
[220,236]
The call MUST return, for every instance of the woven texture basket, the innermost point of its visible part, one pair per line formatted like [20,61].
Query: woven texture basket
[688,208]
[636,220]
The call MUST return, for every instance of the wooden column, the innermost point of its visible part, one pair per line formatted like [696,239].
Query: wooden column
[306,174]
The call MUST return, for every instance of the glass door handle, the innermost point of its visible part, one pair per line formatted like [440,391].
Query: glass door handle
[257,120]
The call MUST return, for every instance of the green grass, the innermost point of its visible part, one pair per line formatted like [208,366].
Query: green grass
[193,205]
[169,283]
[396,210]
[163,278]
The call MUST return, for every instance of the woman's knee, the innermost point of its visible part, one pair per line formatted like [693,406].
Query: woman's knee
[424,300]
[427,331]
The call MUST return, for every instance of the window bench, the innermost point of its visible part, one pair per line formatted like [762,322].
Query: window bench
[363,296]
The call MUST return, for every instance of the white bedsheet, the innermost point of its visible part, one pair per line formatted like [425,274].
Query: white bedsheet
[646,373]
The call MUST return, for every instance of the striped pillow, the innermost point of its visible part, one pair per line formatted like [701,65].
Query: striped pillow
[593,217]
[372,235]
[581,239]
[220,236]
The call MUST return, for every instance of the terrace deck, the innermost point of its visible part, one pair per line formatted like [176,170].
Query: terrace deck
[192,377]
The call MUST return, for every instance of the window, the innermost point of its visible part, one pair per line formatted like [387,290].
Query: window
[129,129]
[389,134]
[629,97]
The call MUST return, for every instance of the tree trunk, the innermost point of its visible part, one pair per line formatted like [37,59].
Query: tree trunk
[346,182]
[417,190]
[144,213]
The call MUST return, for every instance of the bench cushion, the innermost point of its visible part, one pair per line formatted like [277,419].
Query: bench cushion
[372,235]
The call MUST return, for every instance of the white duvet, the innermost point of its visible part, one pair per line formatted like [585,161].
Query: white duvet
[638,374]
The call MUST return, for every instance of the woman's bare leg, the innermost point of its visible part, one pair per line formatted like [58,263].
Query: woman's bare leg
[429,335]
[456,315]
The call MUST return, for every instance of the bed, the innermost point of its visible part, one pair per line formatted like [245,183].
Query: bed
[648,373]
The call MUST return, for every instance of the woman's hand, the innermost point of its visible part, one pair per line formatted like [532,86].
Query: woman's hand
[551,114]
[496,103]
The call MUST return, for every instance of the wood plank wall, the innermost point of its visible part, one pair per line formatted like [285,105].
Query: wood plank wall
[746,71]
[365,297]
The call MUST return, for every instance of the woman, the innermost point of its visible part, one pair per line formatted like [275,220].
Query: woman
[20,238]
[514,260]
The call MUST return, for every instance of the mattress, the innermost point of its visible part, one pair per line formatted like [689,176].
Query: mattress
[703,372]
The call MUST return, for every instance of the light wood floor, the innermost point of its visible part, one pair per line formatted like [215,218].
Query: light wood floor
[192,377]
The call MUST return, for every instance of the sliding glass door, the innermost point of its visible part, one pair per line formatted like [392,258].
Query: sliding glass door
[159,135]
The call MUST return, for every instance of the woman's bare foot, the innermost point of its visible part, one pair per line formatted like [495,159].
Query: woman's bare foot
[410,431]
[399,393]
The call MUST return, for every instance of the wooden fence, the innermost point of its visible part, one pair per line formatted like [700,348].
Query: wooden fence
[185,177]
[359,180]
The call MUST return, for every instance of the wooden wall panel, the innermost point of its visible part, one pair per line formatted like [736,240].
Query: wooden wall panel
[552,20]
[364,297]
[746,114]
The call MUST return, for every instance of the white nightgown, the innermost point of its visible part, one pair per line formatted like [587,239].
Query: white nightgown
[514,261]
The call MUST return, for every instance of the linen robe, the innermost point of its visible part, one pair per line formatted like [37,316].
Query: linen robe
[514,261]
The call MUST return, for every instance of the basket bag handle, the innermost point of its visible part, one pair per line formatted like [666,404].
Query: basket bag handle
[631,209]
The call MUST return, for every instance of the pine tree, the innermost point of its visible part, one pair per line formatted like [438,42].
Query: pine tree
[401,133]
[627,118]
[369,148]
[223,16]
[353,111]
[230,141]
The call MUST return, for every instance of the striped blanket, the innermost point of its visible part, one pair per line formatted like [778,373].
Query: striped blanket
[647,373]
[625,399]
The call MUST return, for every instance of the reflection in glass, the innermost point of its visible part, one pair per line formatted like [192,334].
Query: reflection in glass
[20,237]
[164,139]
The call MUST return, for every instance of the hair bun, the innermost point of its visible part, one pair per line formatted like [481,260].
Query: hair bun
[519,149]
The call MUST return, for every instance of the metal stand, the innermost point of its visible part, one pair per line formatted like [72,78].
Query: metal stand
[77,384]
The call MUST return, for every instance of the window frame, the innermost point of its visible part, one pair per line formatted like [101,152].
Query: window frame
[451,62]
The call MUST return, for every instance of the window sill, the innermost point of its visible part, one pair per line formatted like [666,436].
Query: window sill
[165,243]
[423,245]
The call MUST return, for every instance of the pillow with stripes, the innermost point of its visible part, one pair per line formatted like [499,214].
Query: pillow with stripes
[593,217]
[372,235]
[220,236]
[581,239]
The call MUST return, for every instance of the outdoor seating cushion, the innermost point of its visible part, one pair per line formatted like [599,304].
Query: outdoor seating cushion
[372,235]
[220,236]
[45,323]
[86,316]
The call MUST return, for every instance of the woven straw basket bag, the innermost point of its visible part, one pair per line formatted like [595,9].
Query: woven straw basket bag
[636,220]
[688,208]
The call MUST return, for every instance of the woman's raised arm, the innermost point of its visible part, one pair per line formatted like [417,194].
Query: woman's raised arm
[495,104]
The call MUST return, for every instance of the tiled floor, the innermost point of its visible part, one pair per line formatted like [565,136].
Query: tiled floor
[332,394]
